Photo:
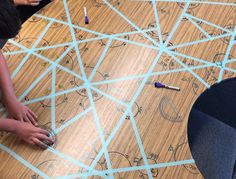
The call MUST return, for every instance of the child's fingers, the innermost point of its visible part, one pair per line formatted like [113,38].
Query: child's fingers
[33,114]
[39,143]
[30,142]
[43,131]
[26,119]
[44,137]
[32,120]
[35,1]
[20,118]
[34,4]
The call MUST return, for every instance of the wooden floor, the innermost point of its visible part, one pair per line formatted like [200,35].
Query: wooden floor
[97,94]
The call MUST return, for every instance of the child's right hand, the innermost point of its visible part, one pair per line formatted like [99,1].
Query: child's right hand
[32,135]
[27,2]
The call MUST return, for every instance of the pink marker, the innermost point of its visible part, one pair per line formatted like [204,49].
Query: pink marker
[86,18]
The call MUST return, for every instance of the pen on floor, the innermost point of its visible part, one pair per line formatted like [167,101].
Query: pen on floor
[86,18]
[161,85]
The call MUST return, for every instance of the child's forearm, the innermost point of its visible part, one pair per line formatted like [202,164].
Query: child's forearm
[5,80]
[8,125]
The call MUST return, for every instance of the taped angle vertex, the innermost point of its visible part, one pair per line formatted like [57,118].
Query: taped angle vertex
[52,135]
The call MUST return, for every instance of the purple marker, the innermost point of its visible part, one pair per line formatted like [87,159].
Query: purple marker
[86,19]
[161,85]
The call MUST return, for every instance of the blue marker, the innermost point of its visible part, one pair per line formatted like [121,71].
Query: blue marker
[161,85]
[86,18]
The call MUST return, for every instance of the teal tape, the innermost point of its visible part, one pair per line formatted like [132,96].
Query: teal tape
[89,85]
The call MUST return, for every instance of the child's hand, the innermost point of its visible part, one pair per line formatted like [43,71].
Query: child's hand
[20,112]
[32,135]
[27,2]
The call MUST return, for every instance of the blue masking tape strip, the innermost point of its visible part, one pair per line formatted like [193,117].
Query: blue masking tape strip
[100,59]
[192,58]
[136,77]
[198,41]
[199,27]
[35,100]
[196,2]
[208,23]
[130,169]
[157,22]
[191,71]
[140,143]
[23,161]
[72,160]
[109,96]
[226,57]
[53,100]
[31,50]
[131,23]
[177,24]
[15,52]
[101,134]
[50,61]
[74,40]
[71,121]
[41,77]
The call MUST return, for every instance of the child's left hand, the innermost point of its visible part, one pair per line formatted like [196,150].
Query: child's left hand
[20,112]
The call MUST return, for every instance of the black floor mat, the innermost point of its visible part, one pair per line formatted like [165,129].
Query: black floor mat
[212,131]
[27,11]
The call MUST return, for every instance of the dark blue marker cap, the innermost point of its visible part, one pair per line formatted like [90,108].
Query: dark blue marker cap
[86,20]
[159,85]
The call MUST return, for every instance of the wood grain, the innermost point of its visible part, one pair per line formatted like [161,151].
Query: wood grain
[161,115]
